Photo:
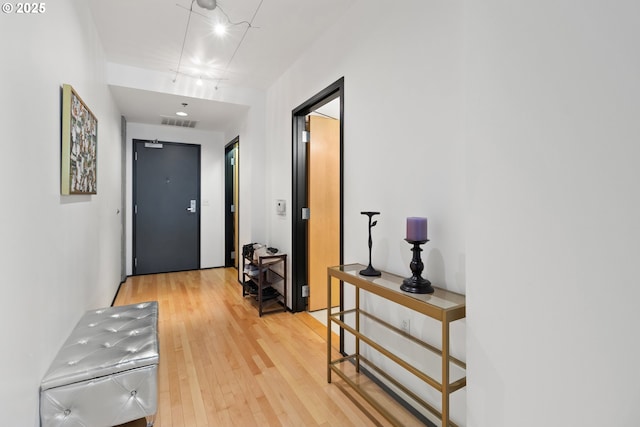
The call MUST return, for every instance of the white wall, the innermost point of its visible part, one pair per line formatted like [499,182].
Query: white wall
[403,146]
[253,178]
[552,145]
[513,127]
[403,150]
[59,255]
[212,160]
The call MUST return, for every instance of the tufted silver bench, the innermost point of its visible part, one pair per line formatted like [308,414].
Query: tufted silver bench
[105,374]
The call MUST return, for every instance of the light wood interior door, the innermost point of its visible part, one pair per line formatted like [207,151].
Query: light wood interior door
[324,204]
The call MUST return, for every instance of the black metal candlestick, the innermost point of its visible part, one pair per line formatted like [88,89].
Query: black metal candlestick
[416,284]
[370,271]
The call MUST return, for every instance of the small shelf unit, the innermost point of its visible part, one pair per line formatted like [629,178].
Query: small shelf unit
[264,280]
[442,305]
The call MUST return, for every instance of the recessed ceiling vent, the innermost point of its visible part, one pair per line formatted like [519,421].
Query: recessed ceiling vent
[174,121]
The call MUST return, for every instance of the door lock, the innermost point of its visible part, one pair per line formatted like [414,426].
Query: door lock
[192,207]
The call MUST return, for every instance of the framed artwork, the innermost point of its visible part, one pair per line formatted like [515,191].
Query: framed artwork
[79,157]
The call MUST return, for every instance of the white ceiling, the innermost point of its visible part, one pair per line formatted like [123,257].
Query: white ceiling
[149,34]
[330,110]
[143,106]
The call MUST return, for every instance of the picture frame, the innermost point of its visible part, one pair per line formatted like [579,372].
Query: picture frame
[79,147]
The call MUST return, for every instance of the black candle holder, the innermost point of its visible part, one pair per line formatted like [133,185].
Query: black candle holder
[417,284]
[370,271]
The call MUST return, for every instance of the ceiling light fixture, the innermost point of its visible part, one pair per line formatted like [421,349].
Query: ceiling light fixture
[182,113]
[219,29]
[207,4]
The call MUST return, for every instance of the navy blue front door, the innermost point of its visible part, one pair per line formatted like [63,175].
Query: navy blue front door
[166,207]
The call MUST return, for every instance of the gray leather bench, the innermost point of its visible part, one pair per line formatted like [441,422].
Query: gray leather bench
[105,374]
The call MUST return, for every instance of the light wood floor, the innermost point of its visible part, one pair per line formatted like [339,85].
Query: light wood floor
[222,365]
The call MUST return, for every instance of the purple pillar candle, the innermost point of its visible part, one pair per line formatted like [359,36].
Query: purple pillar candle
[416,229]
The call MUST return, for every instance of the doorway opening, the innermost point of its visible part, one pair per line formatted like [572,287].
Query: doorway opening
[317,196]
[231,197]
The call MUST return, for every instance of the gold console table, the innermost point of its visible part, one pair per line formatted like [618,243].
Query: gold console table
[442,305]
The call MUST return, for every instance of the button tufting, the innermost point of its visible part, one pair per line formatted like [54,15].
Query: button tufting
[88,357]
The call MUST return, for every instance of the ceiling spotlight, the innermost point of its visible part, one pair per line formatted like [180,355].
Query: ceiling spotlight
[220,29]
[207,4]
[199,82]
[182,113]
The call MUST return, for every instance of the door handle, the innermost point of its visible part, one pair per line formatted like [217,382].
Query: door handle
[192,206]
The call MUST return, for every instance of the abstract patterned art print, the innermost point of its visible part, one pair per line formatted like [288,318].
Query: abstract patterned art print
[79,157]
